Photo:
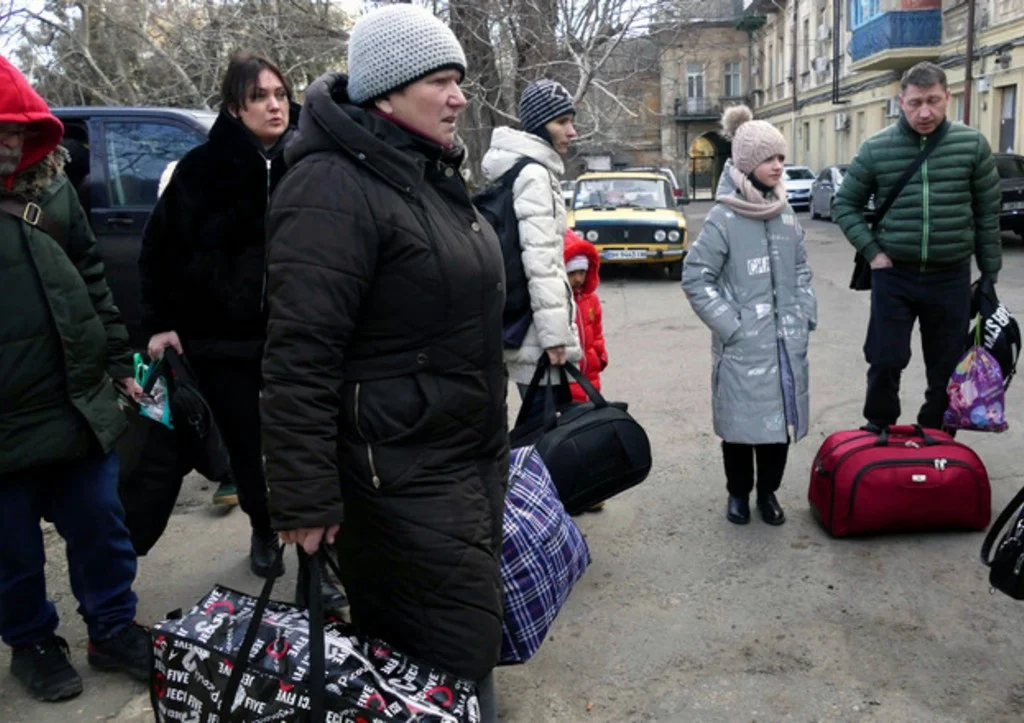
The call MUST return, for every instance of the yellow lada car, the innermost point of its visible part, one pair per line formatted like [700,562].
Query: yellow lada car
[631,217]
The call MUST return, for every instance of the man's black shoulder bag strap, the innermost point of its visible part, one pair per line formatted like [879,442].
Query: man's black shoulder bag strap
[861,280]
[33,215]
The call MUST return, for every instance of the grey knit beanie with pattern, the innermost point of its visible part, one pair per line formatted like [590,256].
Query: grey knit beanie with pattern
[542,102]
[753,141]
[396,45]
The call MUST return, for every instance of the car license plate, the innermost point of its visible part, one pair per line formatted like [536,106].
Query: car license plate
[625,254]
[1013,206]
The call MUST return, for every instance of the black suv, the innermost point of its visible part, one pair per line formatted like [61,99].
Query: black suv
[118,155]
[1011,181]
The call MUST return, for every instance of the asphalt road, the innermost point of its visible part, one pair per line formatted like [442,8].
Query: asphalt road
[683,616]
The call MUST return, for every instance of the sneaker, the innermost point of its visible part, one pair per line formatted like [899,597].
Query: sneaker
[45,670]
[263,553]
[226,494]
[130,651]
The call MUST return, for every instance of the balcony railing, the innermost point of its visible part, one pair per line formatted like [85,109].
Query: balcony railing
[705,106]
[896,39]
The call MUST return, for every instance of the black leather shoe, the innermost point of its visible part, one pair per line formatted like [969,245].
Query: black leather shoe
[332,592]
[873,428]
[771,511]
[739,510]
[263,554]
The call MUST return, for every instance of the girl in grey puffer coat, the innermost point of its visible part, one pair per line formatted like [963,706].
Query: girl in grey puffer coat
[746,276]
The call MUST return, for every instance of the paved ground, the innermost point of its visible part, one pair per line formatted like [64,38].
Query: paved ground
[682,616]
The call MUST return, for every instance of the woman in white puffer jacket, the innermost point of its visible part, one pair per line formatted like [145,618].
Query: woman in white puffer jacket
[546,113]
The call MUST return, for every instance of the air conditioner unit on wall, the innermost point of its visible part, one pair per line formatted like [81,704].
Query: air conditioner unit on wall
[842,122]
[892,108]
[820,64]
[824,32]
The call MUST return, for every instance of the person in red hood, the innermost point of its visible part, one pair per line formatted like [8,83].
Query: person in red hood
[62,342]
[582,264]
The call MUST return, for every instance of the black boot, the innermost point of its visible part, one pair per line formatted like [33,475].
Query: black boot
[333,594]
[771,511]
[738,511]
[45,670]
[263,554]
[129,651]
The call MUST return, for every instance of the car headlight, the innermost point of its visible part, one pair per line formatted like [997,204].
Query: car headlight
[592,236]
[673,236]
[659,235]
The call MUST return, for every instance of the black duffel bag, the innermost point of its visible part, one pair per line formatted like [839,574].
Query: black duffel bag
[155,459]
[594,450]
[1003,549]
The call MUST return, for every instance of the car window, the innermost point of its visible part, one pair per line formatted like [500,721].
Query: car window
[799,174]
[825,176]
[623,192]
[1009,167]
[137,153]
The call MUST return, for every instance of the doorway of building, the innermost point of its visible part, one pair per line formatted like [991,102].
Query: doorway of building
[1008,120]
[708,154]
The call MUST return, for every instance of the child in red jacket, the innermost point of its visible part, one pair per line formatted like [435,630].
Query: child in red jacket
[582,263]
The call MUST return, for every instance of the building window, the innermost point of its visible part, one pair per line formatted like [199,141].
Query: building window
[732,80]
[862,128]
[805,43]
[770,84]
[781,59]
[821,143]
[695,101]
[958,106]
[862,11]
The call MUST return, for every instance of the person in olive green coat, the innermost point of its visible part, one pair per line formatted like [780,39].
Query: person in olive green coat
[62,343]
[920,254]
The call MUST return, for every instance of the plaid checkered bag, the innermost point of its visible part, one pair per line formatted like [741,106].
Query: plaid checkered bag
[542,556]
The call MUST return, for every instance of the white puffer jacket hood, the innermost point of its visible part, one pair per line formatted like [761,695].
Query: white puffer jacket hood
[542,223]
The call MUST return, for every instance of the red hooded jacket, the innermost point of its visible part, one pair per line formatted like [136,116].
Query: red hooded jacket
[19,103]
[588,314]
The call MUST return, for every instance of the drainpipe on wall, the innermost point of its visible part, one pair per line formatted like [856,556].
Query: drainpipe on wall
[796,80]
[969,65]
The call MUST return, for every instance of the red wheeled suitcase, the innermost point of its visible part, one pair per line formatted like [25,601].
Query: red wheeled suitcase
[907,478]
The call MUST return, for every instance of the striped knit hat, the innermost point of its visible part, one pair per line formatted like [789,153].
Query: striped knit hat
[542,102]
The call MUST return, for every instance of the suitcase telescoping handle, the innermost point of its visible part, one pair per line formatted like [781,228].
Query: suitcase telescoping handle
[915,430]
[317,652]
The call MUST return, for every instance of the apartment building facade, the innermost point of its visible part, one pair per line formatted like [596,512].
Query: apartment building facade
[705,68]
[827,72]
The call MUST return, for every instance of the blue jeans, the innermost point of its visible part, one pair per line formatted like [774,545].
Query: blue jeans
[82,502]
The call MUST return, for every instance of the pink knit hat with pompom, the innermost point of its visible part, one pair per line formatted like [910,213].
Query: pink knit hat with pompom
[753,141]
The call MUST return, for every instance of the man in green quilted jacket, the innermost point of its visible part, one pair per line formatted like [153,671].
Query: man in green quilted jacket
[62,343]
[920,253]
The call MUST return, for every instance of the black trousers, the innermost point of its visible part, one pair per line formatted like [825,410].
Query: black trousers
[739,467]
[941,302]
[232,388]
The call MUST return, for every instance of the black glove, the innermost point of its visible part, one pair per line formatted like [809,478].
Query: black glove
[988,280]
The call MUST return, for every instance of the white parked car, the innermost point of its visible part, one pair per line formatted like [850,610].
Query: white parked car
[798,180]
